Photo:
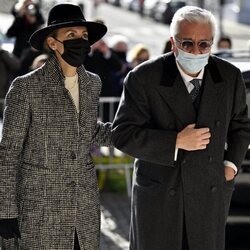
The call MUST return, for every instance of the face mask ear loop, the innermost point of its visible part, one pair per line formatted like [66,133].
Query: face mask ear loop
[59,42]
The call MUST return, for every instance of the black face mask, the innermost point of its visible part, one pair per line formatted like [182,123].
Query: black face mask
[75,51]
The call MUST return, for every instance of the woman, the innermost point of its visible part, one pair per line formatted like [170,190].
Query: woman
[138,54]
[48,186]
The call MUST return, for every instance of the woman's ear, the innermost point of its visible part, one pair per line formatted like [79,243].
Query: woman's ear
[51,43]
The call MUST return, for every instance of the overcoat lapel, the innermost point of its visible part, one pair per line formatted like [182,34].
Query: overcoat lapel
[54,90]
[174,92]
[53,87]
[212,95]
[85,103]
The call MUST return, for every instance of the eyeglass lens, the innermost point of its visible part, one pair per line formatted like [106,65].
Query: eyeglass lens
[202,45]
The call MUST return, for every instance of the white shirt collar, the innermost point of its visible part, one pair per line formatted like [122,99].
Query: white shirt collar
[186,78]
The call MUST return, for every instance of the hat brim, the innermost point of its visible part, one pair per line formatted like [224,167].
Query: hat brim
[95,32]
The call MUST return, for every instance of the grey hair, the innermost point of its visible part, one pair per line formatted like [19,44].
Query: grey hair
[192,14]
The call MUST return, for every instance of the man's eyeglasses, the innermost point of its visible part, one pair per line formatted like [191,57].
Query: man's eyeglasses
[204,46]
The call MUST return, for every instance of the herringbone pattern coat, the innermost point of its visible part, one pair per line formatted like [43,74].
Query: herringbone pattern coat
[48,179]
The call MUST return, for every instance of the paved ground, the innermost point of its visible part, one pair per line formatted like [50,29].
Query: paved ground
[115,217]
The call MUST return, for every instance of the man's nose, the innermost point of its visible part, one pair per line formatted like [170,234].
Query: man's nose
[196,49]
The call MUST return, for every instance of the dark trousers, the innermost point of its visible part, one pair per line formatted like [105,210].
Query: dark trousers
[76,242]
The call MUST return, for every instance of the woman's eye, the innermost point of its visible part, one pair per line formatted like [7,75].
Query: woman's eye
[85,36]
[71,35]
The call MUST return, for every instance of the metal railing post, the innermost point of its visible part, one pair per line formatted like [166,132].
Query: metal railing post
[126,167]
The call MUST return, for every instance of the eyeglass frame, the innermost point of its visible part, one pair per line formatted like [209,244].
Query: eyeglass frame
[180,41]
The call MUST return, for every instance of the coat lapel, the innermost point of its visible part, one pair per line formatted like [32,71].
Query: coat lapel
[174,92]
[53,86]
[54,93]
[212,94]
[85,102]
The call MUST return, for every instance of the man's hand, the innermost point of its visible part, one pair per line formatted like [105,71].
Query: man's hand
[229,173]
[191,138]
[9,228]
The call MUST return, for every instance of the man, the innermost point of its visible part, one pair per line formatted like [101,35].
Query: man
[224,47]
[48,187]
[177,131]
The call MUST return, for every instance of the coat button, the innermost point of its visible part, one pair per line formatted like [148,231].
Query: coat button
[210,159]
[73,155]
[172,192]
[71,184]
[213,189]
[217,124]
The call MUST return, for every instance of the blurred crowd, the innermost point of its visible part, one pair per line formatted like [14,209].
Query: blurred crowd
[27,19]
[108,57]
[111,58]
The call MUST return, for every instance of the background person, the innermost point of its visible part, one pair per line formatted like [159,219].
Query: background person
[167,47]
[27,19]
[104,62]
[137,54]
[119,46]
[224,42]
[9,65]
[175,117]
[224,47]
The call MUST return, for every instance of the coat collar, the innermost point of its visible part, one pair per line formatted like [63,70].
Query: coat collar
[53,72]
[54,90]
[170,70]
[54,75]
[54,79]
[175,94]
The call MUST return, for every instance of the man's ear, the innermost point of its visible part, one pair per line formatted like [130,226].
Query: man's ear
[173,44]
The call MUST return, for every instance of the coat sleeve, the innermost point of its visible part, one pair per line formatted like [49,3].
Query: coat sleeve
[102,135]
[238,137]
[102,132]
[15,127]
[133,130]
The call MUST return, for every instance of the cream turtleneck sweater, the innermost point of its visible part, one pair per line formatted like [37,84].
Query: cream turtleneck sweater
[71,84]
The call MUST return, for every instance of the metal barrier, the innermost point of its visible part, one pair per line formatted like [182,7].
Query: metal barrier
[112,101]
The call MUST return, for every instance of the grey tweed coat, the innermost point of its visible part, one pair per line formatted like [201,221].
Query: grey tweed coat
[48,179]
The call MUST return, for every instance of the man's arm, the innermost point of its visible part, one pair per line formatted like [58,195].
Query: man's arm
[238,137]
[132,129]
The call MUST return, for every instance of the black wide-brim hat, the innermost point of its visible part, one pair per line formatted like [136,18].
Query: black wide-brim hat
[67,15]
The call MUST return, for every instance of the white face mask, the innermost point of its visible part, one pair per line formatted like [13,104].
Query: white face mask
[192,63]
